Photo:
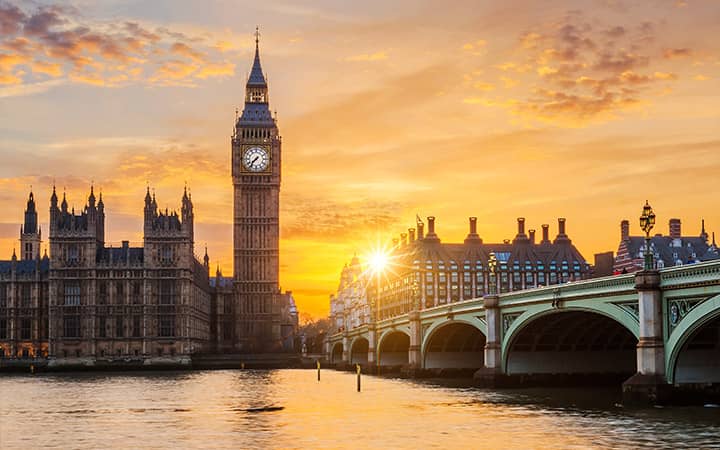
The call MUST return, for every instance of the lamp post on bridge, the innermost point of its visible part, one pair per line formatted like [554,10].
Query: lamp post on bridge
[490,374]
[647,222]
[414,350]
[492,266]
[415,292]
[649,384]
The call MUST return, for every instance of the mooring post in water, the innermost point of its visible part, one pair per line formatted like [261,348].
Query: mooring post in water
[357,368]
[318,366]
[32,368]
[242,366]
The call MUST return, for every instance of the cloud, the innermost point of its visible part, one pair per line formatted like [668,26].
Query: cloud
[185,50]
[368,57]
[483,86]
[11,19]
[551,104]
[671,53]
[57,42]
[317,217]
[584,70]
[476,48]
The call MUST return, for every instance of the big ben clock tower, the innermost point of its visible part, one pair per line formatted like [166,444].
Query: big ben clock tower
[256,181]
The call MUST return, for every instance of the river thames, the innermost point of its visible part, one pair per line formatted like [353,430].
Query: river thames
[226,409]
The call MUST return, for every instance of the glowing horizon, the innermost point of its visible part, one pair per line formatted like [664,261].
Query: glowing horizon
[581,109]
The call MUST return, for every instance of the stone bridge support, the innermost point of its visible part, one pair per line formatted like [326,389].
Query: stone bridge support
[491,374]
[649,384]
[414,352]
[346,349]
[372,345]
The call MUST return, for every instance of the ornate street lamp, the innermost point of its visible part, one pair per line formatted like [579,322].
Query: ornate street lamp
[492,265]
[415,294]
[647,222]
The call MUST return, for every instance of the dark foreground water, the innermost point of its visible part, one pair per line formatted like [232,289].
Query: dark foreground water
[214,409]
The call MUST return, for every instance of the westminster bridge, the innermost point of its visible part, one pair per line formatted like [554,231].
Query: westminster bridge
[663,326]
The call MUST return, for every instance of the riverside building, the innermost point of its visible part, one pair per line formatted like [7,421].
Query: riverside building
[426,272]
[669,250]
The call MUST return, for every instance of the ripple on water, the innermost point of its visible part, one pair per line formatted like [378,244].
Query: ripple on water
[235,409]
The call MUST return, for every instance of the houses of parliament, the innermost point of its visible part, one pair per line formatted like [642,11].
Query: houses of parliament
[87,302]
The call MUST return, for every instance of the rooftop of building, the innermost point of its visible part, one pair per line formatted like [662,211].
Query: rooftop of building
[25,267]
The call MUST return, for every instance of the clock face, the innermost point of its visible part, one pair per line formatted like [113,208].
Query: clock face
[256,159]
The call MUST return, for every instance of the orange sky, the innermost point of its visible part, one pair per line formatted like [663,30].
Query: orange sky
[579,109]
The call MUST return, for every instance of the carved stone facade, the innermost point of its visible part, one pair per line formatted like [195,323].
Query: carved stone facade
[256,165]
[89,302]
[349,307]
[426,273]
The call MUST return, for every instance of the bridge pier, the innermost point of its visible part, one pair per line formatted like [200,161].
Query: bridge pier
[346,349]
[649,385]
[491,374]
[414,351]
[372,346]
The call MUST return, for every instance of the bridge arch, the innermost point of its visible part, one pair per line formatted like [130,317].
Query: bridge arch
[454,344]
[693,348]
[359,350]
[571,340]
[394,348]
[337,353]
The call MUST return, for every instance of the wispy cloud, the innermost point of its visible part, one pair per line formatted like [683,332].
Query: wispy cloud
[368,57]
[585,70]
[56,42]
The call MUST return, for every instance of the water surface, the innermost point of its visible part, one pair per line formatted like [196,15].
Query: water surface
[218,409]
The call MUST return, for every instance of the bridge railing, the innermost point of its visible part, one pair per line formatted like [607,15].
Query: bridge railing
[455,306]
[671,276]
[690,272]
[611,283]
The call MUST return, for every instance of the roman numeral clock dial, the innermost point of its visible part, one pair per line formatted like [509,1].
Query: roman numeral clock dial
[256,159]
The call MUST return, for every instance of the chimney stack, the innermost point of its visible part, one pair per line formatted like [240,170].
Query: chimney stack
[532,236]
[431,225]
[521,226]
[431,235]
[411,234]
[472,235]
[561,227]
[545,234]
[675,228]
[403,239]
[395,243]
[624,230]
[420,230]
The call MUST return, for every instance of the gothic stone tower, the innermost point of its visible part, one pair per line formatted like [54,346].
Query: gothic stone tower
[30,233]
[256,181]
[75,240]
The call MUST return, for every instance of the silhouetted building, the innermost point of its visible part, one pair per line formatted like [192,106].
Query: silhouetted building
[349,307]
[426,272]
[668,251]
[24,294]
[256,157]
[603,264]
[90,302]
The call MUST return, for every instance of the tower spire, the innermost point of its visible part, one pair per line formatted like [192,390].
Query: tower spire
[257,78]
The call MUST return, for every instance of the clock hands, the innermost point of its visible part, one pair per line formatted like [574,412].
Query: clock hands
[254,159]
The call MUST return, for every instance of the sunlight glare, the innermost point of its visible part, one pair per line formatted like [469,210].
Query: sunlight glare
[378,261]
